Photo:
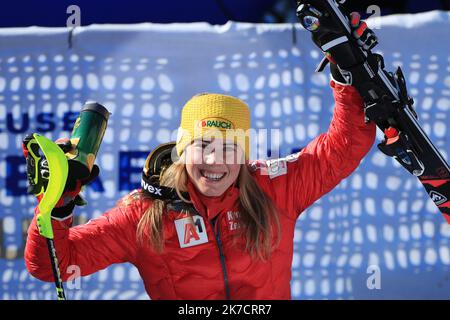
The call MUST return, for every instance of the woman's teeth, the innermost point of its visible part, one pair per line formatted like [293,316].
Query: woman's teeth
[212,176]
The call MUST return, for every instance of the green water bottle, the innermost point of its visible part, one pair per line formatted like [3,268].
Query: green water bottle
[87,135]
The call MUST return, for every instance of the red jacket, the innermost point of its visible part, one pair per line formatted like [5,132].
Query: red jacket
[202,263]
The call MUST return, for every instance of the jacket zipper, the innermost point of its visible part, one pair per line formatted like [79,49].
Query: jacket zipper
[222,257]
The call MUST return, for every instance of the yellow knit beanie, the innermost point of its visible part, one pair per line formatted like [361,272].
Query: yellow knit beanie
[210,115]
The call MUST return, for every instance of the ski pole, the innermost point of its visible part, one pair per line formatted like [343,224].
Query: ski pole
[86,138]
[58,171]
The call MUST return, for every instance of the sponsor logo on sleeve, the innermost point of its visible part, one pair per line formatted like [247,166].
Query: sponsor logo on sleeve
[257,165]
[276,167]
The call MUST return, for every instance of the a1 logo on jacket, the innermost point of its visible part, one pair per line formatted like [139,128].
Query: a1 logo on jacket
[191,231]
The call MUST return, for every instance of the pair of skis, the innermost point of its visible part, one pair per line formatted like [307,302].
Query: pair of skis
[385,95]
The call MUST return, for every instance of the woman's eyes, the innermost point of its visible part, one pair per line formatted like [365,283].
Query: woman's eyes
[226,148]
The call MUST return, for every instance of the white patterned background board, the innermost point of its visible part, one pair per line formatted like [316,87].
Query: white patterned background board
[377,235]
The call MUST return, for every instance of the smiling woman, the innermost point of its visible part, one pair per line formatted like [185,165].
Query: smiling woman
[212,165]
[212,168]
[212,224]
[209,223]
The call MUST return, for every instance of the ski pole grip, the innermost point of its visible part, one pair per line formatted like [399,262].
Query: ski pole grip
[87,135]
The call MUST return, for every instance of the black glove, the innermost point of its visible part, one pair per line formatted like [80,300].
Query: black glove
[346,42]
[346,48]
[38,175]
[366,39]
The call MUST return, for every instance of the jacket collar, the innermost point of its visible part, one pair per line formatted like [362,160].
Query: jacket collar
[211,207]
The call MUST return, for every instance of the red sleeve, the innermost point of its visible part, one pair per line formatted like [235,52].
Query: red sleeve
[93,246]
[298,180]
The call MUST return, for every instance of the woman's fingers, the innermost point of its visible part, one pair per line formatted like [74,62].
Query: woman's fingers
[365,37]
[355,18]
[65,144]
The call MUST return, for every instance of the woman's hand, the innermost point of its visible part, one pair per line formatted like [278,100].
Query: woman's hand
[38,175]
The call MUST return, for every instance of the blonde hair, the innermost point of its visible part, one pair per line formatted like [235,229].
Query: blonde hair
[258,216]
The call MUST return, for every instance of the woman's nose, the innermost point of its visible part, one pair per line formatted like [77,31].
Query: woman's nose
[213,158]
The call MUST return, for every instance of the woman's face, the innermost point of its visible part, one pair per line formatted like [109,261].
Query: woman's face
[213,165]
